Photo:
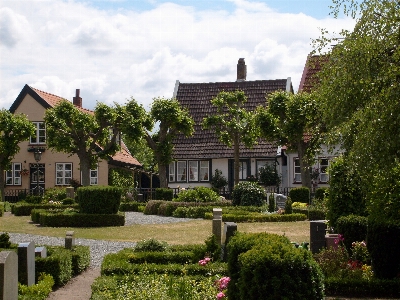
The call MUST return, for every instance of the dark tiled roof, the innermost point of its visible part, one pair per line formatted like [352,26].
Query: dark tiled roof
[196,98]
[309,79]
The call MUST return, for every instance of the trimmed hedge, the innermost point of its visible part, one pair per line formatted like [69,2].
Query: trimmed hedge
[39,291]
[301,194]
[80,259]
[130,206]
[167,208]
[99,199]
[311,213]
[61,219]
[353,228]
[24,209]
[258,217]
[197,194]
[164,194]
[267,266]
[163,257]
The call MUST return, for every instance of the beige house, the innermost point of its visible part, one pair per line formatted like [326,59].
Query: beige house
[55,169]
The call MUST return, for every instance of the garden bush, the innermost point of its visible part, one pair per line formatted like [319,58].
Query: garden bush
[151,245]
[68,201]
[320,193]
[258,217]
[2,209]
[75,219]
[32,199]
[197,194]
[99,199]
[268,176]
[131,206]
[80,259]
[248,193]
[301,194]
[288,207]
[353,228]
[152,207]
[218,181]
[25,209]
[5,240]
[164,194]
[55,194]
[271,203]
[39,291]
[345,195]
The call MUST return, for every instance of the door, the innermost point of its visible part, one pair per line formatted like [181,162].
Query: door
[37,182]
[244,171]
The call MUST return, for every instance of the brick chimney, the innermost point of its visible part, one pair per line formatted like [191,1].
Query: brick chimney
[77,100]
[241,70]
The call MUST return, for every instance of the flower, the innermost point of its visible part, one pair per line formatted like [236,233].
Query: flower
[204,261]
[220,295]
[339,239]
[223,283]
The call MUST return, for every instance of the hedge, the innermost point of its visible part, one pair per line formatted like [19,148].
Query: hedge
[258,217]
[353,228]
[39,291]
[99,199]
[24,209]
[80,220]
[301,194]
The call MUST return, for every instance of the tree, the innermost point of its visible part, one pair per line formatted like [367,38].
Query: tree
[232,123]
[173,119]
[13,129]
[143,153]
[360,86]
[92,135]
[292,120]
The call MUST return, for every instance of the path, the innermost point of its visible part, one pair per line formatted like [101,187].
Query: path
[78,288]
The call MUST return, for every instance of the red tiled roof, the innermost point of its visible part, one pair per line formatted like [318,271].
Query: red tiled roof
[47,100]
[196,98]
[309,78]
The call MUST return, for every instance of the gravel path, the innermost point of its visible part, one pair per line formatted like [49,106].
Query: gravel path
[98,248]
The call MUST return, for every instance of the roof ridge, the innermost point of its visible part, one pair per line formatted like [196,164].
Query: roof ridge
[35,89]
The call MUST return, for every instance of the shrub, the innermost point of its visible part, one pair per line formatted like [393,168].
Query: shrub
[301,194]
[269,176]
[33,199]
[55,194]
[353,228]
[39,291]
[345,195]
[218,181]
[152,207]
[320,193]
[121,178]
[99,199]
[68,201]
[25,209]
[5,240]
[247,194]
[332,261]
[164,194]
[288,206]
[163,257]
[271,202]
[383,242]
[130,206]
[198,194]
[316,214]
[151,245]
[2,208]
[80,259]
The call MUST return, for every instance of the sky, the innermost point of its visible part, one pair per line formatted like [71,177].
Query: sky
[114,50]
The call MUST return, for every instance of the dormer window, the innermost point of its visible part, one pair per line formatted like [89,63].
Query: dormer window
[40,133]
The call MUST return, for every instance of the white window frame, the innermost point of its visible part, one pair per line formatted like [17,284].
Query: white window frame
[243,168]
[63,173]
[323,169]
[171,172]
[204,170]
[40,134]
[193,167]
[94,176]
[296,170]
[13,176]
[181,176]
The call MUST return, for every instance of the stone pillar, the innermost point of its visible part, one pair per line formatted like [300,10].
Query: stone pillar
[8,275]
[70,192]
[41,252]
[26,263]
[69,240]
[217,224]
[317,235]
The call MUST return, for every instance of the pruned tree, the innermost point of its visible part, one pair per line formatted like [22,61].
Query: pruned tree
[233,124]
[13,130]
[92,136]
[292,120]
[172,119]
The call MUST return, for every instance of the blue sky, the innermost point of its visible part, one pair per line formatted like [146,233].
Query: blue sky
[117,49]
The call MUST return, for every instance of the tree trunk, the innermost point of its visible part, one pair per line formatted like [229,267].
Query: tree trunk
[84,163]
[162,170]
[2,184]
[237,159]
[304,166]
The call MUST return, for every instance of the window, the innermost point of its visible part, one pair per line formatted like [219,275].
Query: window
[63,173]
[297,170]
[193,171]
[171,172]
[204,170]
[323,166]
[242,170]
[94,176]
[13,176]
[181,171]
[40,133]
[263,163]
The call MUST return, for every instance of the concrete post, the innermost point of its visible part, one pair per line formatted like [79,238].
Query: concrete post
[26,263]
[69,240]
[217,224]
[8,275]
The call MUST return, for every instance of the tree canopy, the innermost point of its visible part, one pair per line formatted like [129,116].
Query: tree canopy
[13,130]
[172,119]
[292,120]
[233,123]
[360,85]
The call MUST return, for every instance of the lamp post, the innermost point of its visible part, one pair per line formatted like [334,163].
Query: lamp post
[38,157]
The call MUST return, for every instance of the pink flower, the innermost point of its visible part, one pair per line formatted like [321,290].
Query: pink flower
[220,295]
[207,259]
[223,283]
[202,262]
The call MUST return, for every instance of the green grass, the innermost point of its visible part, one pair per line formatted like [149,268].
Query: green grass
[192,232]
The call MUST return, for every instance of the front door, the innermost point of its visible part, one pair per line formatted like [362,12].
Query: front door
[244,171]
[37,179]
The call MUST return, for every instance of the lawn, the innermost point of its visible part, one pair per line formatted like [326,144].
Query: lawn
[191,232]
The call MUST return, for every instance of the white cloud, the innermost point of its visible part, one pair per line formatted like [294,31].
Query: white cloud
[113,55]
